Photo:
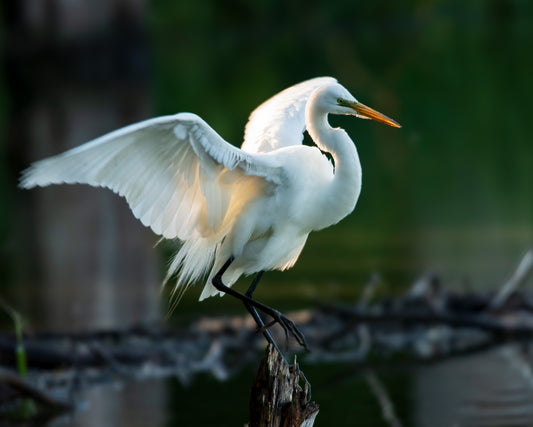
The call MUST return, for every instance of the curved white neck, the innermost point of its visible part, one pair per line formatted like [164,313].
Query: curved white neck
[343,192]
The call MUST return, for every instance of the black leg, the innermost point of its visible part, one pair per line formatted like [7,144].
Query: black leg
[253,286]
[251,309]
[253,305]
[249,293]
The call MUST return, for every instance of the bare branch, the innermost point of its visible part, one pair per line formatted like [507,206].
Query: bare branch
[380,392]
[522,272]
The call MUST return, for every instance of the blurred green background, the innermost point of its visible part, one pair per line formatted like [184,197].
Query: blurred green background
[449,193]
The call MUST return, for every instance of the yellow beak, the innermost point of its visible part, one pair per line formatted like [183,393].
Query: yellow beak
[368,113]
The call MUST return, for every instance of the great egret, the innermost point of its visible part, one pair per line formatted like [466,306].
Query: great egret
[235,211]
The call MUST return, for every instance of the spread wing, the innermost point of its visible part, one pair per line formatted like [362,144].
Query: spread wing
[280,121]
[175,172]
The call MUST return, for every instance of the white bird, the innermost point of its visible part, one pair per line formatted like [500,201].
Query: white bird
[235,211]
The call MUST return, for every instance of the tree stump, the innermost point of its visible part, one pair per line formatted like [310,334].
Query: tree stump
[276,398]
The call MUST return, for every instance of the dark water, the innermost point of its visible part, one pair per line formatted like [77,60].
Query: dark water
[449,193]
[487,389]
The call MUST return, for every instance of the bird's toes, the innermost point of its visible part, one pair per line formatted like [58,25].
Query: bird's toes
[288,326]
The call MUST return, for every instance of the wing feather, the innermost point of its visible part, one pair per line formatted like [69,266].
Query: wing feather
[280,121]
[168,169]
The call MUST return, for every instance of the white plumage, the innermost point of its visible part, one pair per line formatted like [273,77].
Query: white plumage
[280,121]
[257,204]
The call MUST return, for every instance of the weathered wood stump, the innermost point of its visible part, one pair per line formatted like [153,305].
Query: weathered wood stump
[276,398]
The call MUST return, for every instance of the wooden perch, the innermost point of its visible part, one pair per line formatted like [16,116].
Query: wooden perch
[276,398]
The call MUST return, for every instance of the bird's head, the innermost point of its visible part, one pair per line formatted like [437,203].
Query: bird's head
[335,99]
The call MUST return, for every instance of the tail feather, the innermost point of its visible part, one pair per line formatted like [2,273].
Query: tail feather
[192,262]
[231,275]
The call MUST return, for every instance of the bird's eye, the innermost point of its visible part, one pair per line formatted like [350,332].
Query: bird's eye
[340,101]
